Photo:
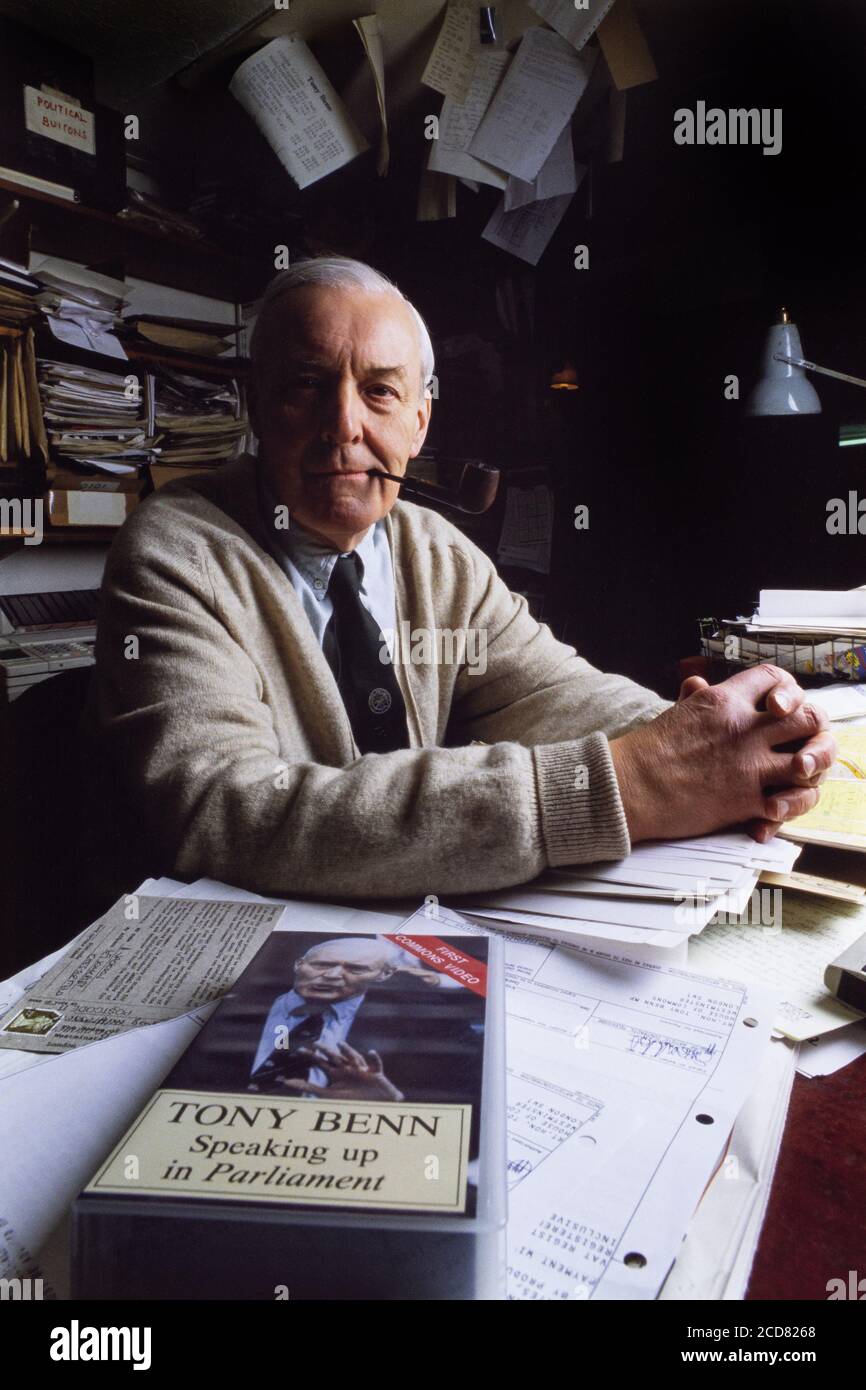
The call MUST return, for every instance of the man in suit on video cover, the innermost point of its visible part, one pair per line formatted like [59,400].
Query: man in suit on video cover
[317,1037]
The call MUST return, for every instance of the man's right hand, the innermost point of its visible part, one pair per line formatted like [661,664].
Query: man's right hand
[716,760]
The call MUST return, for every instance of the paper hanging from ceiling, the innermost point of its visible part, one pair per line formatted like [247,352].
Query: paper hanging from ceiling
[576,25]
[296,108]
[458,123]
[534,101]
[526,231]
[451,64]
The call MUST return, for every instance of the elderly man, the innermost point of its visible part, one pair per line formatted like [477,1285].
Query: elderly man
[304,1047]
[251,729]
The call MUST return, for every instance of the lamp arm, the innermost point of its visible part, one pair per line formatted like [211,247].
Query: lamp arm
[825,371]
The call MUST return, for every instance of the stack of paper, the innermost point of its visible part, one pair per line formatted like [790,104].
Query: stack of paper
[197,422]
[807,631]
[92,417]
[820,611]
[18,291]
[658,897]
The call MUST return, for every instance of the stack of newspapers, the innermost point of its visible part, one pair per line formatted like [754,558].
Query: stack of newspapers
[659,896]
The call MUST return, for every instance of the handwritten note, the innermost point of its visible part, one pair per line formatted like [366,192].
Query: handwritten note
[534,101]
[451,64]
[526,232]
[789,957]
[459,122]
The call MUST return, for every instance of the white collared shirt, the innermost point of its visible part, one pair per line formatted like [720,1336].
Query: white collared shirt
[308,564]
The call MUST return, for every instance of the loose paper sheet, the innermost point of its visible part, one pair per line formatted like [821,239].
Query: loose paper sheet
[452,62]
[838,819]
[558,175]
[527,529]
[717,1254]
[790,958]
[174,956]
[526,232]
[625,49]
[297,110]
[534,101]
[576,25]
[822,1056]
[624,1082]
[371,37]
[458,123]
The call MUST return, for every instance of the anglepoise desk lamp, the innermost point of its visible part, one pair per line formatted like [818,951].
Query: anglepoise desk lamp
[783,388]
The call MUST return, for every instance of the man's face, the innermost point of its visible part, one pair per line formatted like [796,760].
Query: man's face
[337,393]
[338,970]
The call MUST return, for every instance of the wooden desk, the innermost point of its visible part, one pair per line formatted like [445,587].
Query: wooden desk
[815,1227]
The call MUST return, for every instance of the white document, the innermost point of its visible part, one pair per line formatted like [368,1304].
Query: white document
[371,37]
[649,914]
[790,958]
[84,333]
[624,1082]
[298,914]
[527,528]
[289,97]
[811,604]
[525,233]
[576,25]
[558,175]
[59,1120]
[451,64]
[123,972]
[458,123]
[840,701]
[669,947]
[535,100]
[717,1254]
[822,1056]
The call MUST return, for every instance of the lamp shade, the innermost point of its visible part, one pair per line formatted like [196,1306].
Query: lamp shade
[783,389]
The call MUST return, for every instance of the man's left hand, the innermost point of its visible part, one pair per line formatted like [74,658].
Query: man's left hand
[813,760]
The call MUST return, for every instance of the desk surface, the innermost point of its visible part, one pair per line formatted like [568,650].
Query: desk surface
[815,1227]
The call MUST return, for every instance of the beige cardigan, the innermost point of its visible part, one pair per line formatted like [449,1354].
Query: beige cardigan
[228,752]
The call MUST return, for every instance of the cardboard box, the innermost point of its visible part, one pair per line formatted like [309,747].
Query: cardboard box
[73,500]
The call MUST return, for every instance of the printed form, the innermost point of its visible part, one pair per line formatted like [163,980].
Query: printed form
[624,1082]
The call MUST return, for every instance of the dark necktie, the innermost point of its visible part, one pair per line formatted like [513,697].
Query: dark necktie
[352,645]
[284,1061]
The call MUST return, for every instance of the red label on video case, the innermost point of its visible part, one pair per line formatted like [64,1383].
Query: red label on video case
[442,955]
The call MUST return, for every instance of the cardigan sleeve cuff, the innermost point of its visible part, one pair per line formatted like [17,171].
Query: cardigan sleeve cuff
[582,815]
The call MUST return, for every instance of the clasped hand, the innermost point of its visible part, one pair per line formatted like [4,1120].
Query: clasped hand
[749,752]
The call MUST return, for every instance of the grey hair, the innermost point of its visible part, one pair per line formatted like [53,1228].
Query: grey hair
[339,272]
